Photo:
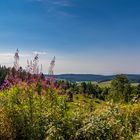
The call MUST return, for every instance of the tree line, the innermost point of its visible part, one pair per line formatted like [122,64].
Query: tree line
[120,89]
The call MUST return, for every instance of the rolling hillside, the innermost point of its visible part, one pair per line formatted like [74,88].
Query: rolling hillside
[134,78]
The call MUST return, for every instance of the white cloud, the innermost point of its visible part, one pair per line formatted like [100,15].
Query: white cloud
[61,3]
[6,54]
[54,6]
[39,53]
[8,58]
[12,55]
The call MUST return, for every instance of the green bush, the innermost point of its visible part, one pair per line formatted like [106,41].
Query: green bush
[33,113]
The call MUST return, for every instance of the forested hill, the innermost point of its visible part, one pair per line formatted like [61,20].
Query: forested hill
[98,78]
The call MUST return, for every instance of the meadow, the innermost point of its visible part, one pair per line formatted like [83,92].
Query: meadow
[36,109]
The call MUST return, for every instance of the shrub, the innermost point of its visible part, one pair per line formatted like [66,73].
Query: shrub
[36,113]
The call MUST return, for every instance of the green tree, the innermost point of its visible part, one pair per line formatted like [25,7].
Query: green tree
[104,93]
[83,87]
[120,89]
[136,92]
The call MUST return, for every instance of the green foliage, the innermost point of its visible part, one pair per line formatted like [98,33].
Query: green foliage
[69,111]
[120,89]
[3,72]
[33,113]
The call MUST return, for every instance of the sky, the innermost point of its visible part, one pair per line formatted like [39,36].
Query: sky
[86,36]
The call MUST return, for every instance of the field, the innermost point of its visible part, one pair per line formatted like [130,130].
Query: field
[38,109]
[107,84]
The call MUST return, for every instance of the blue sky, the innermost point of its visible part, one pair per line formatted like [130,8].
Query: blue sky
[86,36]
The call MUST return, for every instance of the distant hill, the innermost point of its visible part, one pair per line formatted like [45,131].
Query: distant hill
[134,78]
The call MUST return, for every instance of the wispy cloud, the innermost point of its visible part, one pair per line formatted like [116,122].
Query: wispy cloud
[39,53]
[22,55]
[12,55]
[62,3]
[55,6]
[8,58]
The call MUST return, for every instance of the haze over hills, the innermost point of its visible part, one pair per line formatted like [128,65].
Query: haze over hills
[134,78]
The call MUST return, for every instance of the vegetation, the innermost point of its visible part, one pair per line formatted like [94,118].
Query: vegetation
[33,109]
[3,73]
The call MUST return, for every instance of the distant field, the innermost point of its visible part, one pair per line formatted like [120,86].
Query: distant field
[134,84]
[107,84]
